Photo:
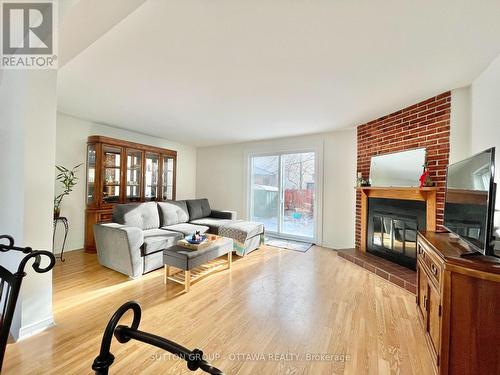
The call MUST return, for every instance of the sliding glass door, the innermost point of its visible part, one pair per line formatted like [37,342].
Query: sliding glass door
[282,193]
[298,183]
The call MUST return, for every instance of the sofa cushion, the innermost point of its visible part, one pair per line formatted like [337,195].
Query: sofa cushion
[159,239]
[218,214]
[140,215]
[173,212]
[186,228]
[198,208]
[213,223]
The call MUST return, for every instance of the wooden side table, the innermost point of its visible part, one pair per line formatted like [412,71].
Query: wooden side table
[65,222]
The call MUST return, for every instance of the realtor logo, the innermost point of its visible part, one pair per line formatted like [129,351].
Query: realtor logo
[28,38]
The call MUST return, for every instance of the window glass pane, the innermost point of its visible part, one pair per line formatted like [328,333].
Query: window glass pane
[90,173]
[112,175]
[264,191]
[151,177]
[168,178]
[298,177]
[112,157]
[134,172]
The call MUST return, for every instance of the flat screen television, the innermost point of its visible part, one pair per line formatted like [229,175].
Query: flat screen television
[470,200]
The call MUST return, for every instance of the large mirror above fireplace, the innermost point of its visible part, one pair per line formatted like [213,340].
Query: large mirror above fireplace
[397,169]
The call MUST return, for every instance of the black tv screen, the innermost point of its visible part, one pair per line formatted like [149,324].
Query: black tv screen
[469,199]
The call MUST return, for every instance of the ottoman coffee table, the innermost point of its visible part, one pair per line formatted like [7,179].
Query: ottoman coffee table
[197,263]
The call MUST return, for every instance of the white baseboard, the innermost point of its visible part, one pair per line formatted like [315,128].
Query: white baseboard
[34,328]
[337,246]
[58,251]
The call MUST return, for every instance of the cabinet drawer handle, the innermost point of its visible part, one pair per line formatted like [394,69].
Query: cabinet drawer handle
[434,269]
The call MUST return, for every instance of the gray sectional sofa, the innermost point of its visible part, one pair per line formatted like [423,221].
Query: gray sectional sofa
[133,243]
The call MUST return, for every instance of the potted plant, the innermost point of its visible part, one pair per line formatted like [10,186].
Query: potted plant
[68,179]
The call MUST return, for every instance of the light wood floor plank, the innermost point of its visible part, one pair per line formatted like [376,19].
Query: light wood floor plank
[271,302]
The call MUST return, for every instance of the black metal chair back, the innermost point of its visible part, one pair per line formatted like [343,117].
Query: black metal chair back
[124,334]
[10,285]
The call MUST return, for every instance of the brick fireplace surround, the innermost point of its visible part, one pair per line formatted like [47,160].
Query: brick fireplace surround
[425,124]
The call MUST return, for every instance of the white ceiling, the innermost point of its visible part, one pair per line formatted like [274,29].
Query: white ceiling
[76,15]
[213,72]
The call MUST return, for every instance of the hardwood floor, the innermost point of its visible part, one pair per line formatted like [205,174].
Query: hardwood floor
[273,302]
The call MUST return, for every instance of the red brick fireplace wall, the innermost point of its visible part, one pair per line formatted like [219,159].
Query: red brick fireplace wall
[426,124]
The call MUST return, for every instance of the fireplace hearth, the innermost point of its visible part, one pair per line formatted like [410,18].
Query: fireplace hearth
[392,226]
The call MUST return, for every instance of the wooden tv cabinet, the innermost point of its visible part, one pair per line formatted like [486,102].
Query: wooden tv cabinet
[458,304]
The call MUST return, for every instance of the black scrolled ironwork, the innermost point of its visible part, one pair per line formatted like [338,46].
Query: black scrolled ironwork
[10,284]
[65,222]
[124,334]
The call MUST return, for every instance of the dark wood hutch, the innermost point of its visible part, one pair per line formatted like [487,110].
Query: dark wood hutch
[124,172]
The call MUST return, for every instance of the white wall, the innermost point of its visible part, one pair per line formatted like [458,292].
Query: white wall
[460,124]
[485,125]
[12,153]
[221,178]
[27,151]
[71,146]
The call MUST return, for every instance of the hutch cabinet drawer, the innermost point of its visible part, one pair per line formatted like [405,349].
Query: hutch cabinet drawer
[105,216]
[431,264]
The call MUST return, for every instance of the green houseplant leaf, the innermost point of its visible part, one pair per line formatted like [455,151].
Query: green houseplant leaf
[68,180]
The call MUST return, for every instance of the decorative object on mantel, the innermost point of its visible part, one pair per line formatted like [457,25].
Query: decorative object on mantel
[361,181]
[425,179]
[365,183]
[68,179]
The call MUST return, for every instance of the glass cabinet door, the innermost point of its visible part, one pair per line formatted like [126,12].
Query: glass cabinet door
[90,173]
[168,178]
[151,177]
[112,175]
[134,173]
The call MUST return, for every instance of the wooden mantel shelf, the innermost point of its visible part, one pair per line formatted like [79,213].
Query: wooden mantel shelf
[405,193]
[425,194]
[410,188]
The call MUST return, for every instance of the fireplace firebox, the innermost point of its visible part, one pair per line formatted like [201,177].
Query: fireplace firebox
[392,229]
